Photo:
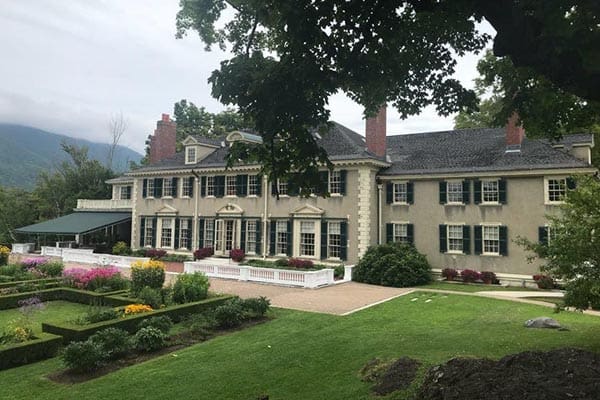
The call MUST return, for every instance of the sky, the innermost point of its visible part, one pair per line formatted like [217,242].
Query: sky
[70,67]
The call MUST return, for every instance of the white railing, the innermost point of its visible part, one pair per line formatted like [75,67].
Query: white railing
[86,204]
[52,251]
[23,248]
[307,279]
[87,256]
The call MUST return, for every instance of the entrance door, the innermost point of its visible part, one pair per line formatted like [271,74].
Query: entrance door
[229,238]
[225,236]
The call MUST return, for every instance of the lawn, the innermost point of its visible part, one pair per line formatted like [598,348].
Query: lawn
[54,311]
[302,355]
[475,287]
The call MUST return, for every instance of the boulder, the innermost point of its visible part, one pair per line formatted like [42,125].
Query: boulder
[542,322]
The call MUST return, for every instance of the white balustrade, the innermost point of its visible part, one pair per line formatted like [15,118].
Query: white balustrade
[22,248]
[87,204]
[52,251]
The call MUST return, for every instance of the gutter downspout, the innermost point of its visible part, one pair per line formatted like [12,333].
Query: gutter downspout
[379,190]
[265,184]
[196,206]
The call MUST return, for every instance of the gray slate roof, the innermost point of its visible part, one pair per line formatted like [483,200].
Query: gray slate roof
[472,150]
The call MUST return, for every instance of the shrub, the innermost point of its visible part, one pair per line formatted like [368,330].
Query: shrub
[230,314]
[190,287]
[83,356]
[281,262]
[237,255]
[449,273]
[469,275]
[113,342]
[51,268]
[136,309]
[256,306]
[339,271]
[175,258]
[155,254]
[201,325]
[121,249]
[149,273]
[4,252]
[488,277]
[544,281]
[150,339]
[12,270]
[203,253]
[103,279]
[299,263]
[393,264]
[99,314]
[150,296]
[162,323]
[33,262]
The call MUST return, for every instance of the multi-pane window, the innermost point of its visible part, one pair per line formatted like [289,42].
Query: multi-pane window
[281,237]
[230,185]
[454,192]
[491,239]
[489,192]
[557,188]
[209,232]
[210,185]
[455,238]
[307,238]
[166,232]
[401,233]
[148,232]
[191,155]
[184,233]
[334,240]
[282,187]
[167,187]
[125,192]
[335,182]
[150,188]
[187,188]
[251,236]
[253,185]
[400,193]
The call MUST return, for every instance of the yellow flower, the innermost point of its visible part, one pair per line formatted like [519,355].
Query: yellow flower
[4,251]
[137,309]
[148,264]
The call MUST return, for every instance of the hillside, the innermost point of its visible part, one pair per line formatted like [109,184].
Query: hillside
[25,151]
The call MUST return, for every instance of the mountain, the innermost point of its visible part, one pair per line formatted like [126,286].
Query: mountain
[25,151]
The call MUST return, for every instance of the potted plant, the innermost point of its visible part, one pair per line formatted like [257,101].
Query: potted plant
[237,255]
[469,275]
[488,277]
[449,273]
[544,281]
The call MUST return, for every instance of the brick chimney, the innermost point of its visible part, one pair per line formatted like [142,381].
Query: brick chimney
[162,143]
[375,132]
[514,134]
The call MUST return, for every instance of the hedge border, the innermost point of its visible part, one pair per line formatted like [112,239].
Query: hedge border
[130,324]
[46,345]
[67,294]
[30,281]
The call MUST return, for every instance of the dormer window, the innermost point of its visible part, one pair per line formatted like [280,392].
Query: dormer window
[190,155]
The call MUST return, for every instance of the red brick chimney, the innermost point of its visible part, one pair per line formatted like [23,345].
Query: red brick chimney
[514,133]
[162,143]
[375,133]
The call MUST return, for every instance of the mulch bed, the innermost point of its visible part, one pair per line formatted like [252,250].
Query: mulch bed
[398,376]
[559,374]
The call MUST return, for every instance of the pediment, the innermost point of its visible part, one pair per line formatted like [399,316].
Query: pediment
[230,209]
[189,141]
[307,210]
[167,210]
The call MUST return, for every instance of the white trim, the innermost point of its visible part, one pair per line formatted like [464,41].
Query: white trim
[490,225]
[399,203]
[492,174]
[490,203]
[454,203]
[547,192]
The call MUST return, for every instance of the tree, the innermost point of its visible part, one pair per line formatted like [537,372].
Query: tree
[483,117]
[17,209]
[290,57]
[116,127]
[572,252]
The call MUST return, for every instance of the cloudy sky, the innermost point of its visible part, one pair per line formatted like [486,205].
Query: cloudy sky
[69,66]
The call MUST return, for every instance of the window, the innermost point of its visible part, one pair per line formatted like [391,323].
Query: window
[334,240]
[209,232]
[210,185]
[230,185]
[281,237]
[184,233]
[125,192]
[400,193]
[251,236]
[190,153]
[491,240]
[455,238]
[148,232]
[253,185]
[150,188]
[556,189]
[166,232]
[307,238]
[335,182]
[400,233]
[167,187]
[187,188]
[282,187]
[454,192]
[490,192]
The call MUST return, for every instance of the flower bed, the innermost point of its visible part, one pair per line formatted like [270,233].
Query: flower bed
[44,345]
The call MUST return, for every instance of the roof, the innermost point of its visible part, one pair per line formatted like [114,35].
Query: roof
[471,150]
[120,179]
[77,223]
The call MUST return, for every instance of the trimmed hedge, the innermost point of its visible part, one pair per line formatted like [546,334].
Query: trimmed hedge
[31,281]
[67,294]
[130,324]
[45,346]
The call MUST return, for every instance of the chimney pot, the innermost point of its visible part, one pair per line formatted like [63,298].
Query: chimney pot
[375,132]
[165,118]
[514,133]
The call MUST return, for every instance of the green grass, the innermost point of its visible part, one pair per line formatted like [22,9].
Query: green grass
[474,287]
[54,311]
[302,355]
[554,300]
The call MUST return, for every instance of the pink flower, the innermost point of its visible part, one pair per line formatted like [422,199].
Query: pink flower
[80,277]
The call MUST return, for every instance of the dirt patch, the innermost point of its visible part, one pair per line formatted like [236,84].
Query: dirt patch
[391,375]
[558,374]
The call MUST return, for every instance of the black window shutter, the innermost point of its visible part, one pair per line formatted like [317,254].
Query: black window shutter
[290,244]
[189,234]
[571,183]
[443,241]
[343,182]
[502,191]
[503,241]
[192,186]
[158,183]
[258,249]
[410,233]
[202,186]
[176,234]
[323,239]
[443,197]
[243,236]
[476,191]
[389,233]
[466,191]
[466,239]
[174,187]
[543,234]
[145,188]
[389,193]
[201,233]
[241,185]
[154,232]
[220,186]
[477,239]
[274,188]
[259,185]
[344,240]
[272,237]
[410,196]
[323,183]
[293,189]
[142,230]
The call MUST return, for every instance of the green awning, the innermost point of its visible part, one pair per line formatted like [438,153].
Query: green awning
[77,223]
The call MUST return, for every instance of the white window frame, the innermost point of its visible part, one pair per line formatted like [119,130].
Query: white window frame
[167,184]
[251,244]
[305,238]
[123,190]
[190,155]
[488,227]
[281,238]
[159,239]
[449,247]
[184,238]
[254,185]
[334,240]
[282,185]
[210,186]
[335,183]
[483,191]
[209,232]
[400,192]
[148,231]
[228,180]
[547,189]
[185,184]
[448,183]
[150,188]
[400,232]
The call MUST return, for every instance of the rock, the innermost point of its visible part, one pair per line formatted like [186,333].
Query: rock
[542,322]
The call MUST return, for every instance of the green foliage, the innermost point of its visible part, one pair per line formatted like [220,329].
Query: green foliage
[84,356]
[51,268]
[393,264]
[99,314]
[150,339]
[24,353]
[162,323]
[17,208]
[151,297]
[201,325]
[230,314]
[153,277]
[256,306]
[483,117]
[121,249]
[190,287]
[113,342]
